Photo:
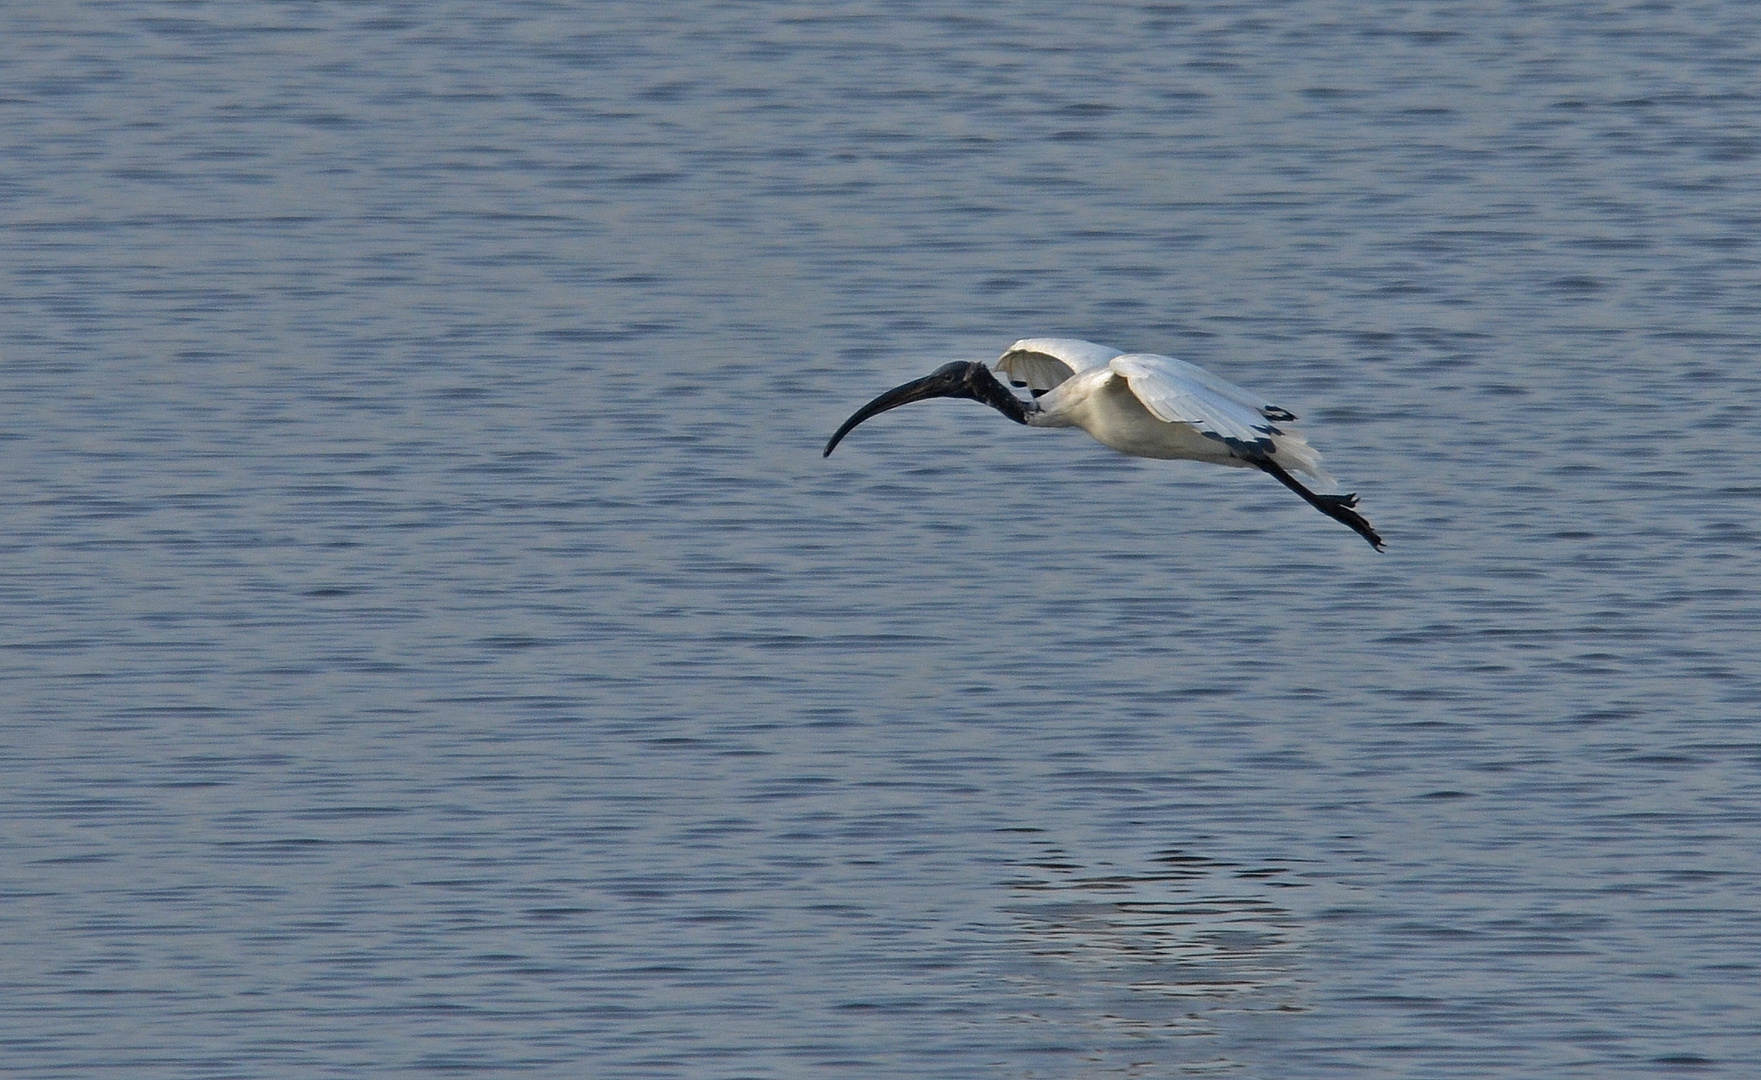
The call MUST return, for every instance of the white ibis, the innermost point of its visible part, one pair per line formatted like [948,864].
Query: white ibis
[1136,403]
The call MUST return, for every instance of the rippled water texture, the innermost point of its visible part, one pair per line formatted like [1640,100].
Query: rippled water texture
[432,642]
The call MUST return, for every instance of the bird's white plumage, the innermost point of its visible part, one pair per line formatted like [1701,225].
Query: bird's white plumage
[1077,354]
[1172,391]
[1042,364]
[1171,394]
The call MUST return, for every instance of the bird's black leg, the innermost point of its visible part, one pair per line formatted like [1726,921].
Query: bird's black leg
[1337,507]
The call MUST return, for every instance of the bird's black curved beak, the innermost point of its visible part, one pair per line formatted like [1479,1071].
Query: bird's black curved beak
[960,379]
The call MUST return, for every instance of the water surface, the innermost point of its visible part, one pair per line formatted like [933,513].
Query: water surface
[433,643]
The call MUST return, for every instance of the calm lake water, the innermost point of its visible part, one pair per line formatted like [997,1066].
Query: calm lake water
[433,644]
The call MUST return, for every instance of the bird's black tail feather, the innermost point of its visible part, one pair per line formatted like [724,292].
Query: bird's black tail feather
[1337,507]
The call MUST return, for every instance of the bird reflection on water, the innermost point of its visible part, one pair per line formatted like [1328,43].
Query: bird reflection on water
[1156,953]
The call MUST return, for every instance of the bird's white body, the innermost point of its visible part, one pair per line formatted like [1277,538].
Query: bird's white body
[1102,404]
[1152,406]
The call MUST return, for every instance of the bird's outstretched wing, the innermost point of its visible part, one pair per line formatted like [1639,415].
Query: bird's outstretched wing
[1177,392]
[1042,363]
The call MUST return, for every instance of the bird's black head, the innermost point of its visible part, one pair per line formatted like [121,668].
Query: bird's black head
[960,379]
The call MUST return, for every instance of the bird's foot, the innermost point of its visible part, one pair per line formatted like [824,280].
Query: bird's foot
[1337,507]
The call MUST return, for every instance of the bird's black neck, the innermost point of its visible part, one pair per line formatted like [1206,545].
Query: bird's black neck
[981,385]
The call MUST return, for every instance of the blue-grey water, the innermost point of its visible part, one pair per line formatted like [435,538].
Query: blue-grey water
[432,643]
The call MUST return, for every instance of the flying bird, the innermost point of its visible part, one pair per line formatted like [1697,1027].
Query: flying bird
[1140,404]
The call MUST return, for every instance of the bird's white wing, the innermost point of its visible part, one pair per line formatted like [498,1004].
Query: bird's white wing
[1177,392]
[1042,363]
